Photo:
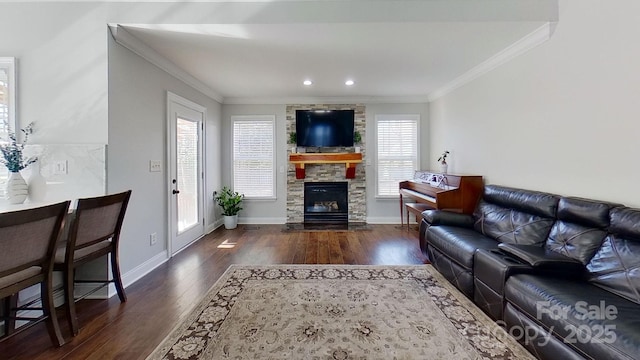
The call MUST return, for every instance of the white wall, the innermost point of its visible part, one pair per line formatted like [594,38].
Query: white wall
[137,134]
[561,118]
[258,211]
[62,69]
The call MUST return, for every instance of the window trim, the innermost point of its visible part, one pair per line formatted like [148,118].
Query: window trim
[9,63]
[240,118]
[391,117]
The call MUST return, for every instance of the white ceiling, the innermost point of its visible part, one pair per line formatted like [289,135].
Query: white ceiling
[387,58]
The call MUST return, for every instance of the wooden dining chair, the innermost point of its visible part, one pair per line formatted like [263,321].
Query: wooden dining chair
[94,233]
[28,241]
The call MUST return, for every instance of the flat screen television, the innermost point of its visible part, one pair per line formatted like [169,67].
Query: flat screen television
[324,128]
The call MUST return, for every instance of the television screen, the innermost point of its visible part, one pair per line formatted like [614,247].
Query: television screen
[316,128]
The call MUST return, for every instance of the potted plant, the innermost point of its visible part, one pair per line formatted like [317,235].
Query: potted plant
[293,139]
[443,161]
[357,139]
[13,159]
[230,202]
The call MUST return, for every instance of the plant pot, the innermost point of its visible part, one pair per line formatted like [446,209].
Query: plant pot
[444,167]
[356,149]
[230,221]
[17,189]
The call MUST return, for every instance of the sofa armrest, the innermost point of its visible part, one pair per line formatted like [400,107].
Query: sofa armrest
[542,259]
[441,217]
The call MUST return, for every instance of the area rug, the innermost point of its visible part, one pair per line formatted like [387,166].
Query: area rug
[336,312]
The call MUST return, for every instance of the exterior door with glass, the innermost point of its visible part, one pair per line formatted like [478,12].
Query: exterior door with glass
[186,173]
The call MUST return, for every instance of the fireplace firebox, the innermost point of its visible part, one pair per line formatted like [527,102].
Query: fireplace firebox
[326,202]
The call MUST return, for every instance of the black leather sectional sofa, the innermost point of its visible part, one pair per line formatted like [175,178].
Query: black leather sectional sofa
[561,274]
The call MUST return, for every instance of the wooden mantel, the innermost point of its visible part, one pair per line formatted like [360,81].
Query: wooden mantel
[349,159]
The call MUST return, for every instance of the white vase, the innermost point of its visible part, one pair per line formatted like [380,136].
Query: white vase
[17,189]
[37,184]
[444,167]
[230,222]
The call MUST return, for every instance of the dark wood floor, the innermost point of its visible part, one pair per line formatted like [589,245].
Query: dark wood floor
[111,330]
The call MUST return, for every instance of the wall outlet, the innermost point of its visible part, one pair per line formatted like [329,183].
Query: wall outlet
[60,167]
[153,239]
[155,166]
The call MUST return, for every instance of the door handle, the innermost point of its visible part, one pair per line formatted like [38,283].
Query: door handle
[176,192]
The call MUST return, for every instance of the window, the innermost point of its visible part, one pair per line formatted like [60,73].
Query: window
[7,108]
[253,156]
[7,96]
[397,156]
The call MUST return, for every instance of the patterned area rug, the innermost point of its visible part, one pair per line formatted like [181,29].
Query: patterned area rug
[336,312]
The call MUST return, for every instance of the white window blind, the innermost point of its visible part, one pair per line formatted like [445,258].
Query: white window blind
[397,156]
[253,156]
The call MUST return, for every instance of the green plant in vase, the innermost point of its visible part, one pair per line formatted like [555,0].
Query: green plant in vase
[293,139]
[231,203]
[443,162]
[13,158]
[357,139]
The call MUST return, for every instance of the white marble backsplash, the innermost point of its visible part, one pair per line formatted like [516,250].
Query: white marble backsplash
[85,170]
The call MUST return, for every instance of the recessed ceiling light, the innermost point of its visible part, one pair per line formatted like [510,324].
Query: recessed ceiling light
[307,82]
[349,82]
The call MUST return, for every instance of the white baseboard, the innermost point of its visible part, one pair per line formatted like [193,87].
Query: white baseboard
[143,269]
[128,278]
[211,227]
[262,220]
[58,295]
[383,220]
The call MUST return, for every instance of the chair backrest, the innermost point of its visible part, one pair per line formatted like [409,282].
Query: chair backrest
[98,219]
[29,237]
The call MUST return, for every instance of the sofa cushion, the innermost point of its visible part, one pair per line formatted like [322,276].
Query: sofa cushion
[625,222]
[459,244]
[586,212]
[532,202]
[560,305]
[616,265]
[580,228]
[511,226]
[575,241]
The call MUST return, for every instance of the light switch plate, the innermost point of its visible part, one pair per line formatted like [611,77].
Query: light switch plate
[155,166]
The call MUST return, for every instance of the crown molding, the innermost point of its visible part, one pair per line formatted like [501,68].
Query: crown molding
[535,38]
[326,100]
[124,38]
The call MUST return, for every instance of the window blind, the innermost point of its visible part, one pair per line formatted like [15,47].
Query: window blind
[253,156]
[397,156]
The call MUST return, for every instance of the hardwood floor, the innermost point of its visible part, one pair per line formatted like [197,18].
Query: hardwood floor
[111,330]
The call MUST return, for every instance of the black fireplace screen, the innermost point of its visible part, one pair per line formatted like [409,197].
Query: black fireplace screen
[326,202]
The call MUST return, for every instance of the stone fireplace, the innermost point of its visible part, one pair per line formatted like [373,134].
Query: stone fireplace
[326,173]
